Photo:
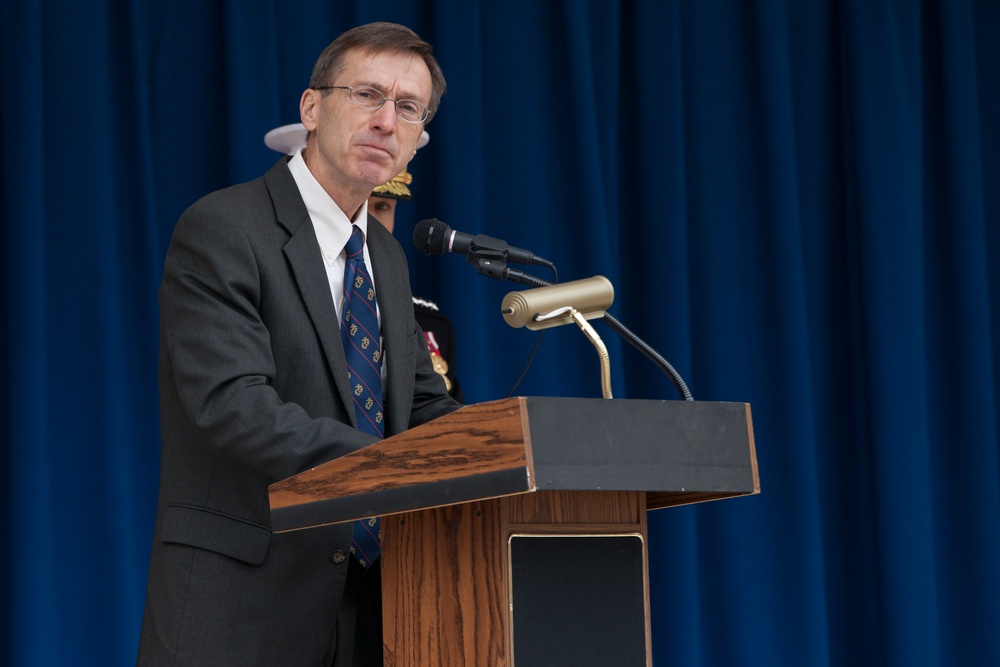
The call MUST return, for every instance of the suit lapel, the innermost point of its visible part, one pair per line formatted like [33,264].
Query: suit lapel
[303,253]
[394,302]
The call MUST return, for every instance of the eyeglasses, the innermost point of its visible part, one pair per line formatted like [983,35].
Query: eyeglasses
[371,99]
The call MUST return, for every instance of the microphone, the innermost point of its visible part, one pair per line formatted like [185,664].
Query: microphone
[539,308]
[435,238]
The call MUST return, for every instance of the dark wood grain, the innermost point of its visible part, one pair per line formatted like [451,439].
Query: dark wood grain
[478,438]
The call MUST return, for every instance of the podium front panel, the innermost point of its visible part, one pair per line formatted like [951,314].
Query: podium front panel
[577,600]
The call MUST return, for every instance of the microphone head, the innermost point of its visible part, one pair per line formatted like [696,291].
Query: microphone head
[431,236]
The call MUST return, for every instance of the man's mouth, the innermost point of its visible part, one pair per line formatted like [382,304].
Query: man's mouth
[377,148]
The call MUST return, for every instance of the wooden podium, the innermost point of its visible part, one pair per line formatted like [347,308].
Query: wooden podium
[514,531]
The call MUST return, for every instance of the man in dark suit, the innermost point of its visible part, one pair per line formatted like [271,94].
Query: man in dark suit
[254,380]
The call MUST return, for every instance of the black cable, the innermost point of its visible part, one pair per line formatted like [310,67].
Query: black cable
[650,354]
[527,365]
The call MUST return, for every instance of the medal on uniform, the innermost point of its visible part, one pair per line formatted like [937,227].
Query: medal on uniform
[440,365]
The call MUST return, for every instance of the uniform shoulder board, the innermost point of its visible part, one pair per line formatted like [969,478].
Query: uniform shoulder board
[425,303]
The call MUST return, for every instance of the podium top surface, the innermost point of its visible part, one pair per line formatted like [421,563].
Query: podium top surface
[677,452]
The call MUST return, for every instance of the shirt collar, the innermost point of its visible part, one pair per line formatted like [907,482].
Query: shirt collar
[320,205]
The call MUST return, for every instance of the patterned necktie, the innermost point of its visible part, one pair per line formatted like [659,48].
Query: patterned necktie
[362,347]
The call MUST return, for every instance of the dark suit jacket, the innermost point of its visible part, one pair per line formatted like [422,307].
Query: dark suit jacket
[253,389]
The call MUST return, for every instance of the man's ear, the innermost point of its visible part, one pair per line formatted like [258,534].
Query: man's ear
[309,107]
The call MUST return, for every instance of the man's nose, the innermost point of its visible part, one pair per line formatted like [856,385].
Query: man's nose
[385,117]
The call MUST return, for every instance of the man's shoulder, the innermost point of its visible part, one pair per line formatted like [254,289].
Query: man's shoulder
[239,194]
[262,196]
[424,305]
[429,315]
[429,310]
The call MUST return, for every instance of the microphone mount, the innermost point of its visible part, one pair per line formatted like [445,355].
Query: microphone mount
[490,262]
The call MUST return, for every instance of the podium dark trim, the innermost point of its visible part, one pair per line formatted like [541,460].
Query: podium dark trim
[460,494]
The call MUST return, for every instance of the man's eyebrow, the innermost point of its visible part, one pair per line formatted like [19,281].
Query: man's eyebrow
[403,93]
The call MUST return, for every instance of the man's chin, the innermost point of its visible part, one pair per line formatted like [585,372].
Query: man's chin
[376,175]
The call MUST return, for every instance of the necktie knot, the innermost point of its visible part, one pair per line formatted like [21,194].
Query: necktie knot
[355,244]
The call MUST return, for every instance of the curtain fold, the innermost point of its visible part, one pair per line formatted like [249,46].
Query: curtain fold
[798,205]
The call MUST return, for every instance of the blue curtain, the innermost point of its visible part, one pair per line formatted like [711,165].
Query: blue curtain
[798,204]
